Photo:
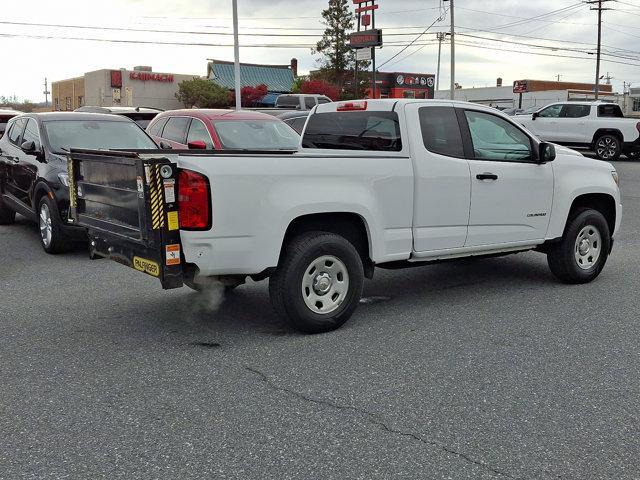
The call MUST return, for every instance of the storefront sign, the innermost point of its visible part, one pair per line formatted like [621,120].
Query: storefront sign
[154,77]
[413,80]
[363,54]
[520,86]
[366,38]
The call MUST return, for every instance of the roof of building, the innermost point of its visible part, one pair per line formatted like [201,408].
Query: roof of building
[277,78]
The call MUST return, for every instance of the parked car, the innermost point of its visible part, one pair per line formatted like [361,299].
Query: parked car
[5,116]
[597,126]
[210,129]
[141,115]
[295,120]
[33,166]
[378,183]
[301,101]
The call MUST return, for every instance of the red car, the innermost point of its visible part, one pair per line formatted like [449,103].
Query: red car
[222,130]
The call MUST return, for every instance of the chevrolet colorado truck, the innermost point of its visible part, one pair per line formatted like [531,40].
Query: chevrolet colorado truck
[597,126]
[376,183]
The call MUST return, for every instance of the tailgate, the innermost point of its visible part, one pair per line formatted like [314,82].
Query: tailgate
[128,205]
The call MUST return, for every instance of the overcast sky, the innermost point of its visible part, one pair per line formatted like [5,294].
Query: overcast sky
[26,61]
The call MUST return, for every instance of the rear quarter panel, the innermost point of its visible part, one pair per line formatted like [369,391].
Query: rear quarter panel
[255,198]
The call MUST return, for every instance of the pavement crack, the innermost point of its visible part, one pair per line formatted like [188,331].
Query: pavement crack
[373,420]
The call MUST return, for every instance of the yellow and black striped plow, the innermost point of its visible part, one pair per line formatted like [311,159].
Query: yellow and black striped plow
[156,199]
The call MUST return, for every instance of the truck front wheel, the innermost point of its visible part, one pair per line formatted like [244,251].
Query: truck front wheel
[318,282]
[581,254]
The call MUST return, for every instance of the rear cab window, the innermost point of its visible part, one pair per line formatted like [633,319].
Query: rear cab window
[354,130]
[288,101]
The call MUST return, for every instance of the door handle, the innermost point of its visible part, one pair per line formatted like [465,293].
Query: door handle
[487,176]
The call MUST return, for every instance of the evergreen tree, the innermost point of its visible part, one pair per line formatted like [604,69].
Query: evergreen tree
[338,58]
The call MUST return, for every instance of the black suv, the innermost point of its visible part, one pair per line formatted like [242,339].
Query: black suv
[33,166]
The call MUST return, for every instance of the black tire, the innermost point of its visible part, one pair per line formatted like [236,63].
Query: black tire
[57,242]
[608,147]
[286,284]
[7,216]
[563,256]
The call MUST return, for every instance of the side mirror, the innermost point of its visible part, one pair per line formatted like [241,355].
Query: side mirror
[165,146]
[197,145]
[546,152]
[28,146]
[534,115]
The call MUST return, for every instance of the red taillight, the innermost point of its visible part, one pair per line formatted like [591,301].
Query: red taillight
[351,106]
[194,201]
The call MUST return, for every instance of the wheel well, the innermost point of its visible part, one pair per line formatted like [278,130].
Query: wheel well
[603,203]
[609,131]
[351,226]
[38,192]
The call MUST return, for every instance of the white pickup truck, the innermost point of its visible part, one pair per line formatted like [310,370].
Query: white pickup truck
[378,183]
[597,126]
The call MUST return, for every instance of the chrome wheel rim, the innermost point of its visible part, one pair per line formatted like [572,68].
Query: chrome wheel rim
[325,284]
[46,231]
[606,147]
[588,247]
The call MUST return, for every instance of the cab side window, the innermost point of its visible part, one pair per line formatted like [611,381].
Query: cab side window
[494,138]
[551,112]
[198,131]
[309,102]
[575,111]
[16,130]
[441,131]
[31,133]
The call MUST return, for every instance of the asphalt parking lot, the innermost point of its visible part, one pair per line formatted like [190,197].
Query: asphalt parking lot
[479,369]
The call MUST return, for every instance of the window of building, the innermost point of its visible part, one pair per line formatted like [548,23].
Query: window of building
[67,103]
[80,101]
[441,131]
[375,131]
[636,104]
[176,129]
[56,103]
[198,131]
[408,94]
[497,139]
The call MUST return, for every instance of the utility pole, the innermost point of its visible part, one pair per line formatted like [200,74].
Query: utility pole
[599,9]
[453,54]
[559,77]
[46,92]
[236,55]
[440,36]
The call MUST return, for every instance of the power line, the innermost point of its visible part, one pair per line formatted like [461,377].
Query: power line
[414,40]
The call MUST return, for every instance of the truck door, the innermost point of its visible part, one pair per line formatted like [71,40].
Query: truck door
[545,125]
[442,178]
[572,124]
[511,194]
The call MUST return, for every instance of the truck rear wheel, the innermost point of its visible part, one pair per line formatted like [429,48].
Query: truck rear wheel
[582,253]
[7,216]
[608,147]
[318,282]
